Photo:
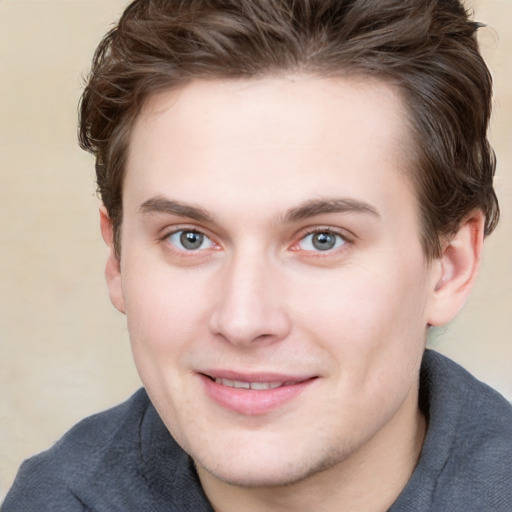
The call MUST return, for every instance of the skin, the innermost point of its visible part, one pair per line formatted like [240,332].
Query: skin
[255,167]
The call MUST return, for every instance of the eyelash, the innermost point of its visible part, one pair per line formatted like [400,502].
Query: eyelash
[345,240]
[341,241]
[188,230]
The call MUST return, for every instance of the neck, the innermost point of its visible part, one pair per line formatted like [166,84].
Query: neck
[370,479]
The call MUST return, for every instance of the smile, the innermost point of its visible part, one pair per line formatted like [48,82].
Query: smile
[258,386]
[253,395]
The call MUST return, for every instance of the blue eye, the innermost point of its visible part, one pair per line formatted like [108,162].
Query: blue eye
[190,240]
[322,241]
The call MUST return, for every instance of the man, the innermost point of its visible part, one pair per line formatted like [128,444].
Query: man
[293,193]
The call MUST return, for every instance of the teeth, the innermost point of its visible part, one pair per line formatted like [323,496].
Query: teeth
[259,386]
[264,385]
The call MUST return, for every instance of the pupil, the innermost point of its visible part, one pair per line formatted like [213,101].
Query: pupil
[191,239]
[323,241]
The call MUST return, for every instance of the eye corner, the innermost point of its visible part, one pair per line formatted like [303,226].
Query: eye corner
[188,241]
[320,241]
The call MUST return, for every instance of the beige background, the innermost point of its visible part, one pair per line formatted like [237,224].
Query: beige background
[64,350]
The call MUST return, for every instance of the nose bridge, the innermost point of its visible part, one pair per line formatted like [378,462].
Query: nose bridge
[249,306]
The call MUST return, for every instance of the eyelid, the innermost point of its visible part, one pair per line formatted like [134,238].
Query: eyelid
[342,233]
[176,240]
[168,231]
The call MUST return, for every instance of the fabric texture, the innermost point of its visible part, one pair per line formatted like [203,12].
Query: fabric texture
[125,460]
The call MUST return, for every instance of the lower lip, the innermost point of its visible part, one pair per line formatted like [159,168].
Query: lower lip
[252,402]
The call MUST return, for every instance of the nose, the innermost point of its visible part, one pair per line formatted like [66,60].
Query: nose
[248,309]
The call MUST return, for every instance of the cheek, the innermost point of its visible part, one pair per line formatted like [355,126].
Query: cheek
[163,310]
[164,324]
[369,321]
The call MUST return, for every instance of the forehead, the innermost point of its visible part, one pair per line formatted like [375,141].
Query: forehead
[280,137]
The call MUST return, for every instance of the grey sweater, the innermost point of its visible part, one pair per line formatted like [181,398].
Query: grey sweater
[125,460]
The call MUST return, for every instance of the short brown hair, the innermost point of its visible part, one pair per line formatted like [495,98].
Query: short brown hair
[427,49]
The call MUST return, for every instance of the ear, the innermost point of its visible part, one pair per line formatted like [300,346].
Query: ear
[457,270]
[113,267]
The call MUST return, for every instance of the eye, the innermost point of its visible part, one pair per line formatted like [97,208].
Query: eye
[321,241]
[190,240]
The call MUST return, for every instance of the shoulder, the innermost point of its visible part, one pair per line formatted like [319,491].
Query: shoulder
[457,399]
[478,468]
[57,473]
[465,463]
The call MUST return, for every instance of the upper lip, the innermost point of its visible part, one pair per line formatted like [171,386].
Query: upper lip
[255,376]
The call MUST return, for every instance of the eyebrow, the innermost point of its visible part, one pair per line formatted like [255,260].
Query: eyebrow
[303,211]
[171,207]
[332,205]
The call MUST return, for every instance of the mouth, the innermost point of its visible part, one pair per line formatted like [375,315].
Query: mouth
[255,394]
[257,386]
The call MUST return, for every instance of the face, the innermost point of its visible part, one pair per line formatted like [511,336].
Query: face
[272,274]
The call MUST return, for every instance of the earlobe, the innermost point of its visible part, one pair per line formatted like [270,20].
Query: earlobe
[112,267]
[458,269]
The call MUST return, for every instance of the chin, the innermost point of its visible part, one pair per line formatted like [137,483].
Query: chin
[258,477]
[274,471]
